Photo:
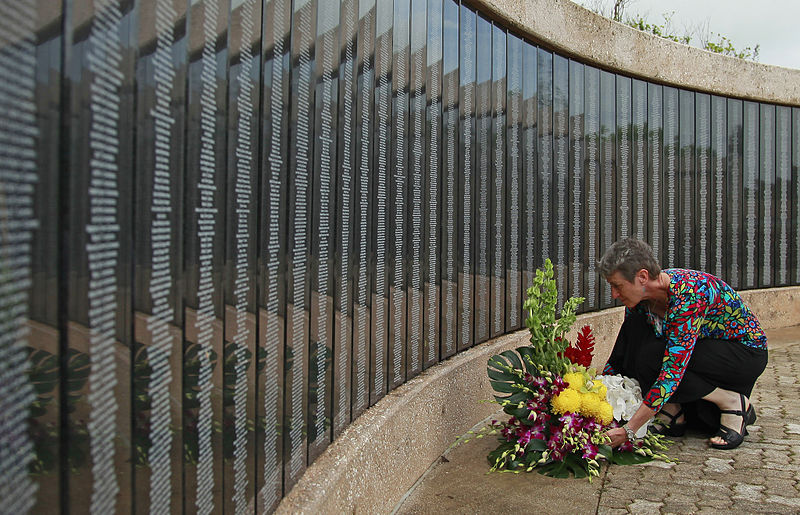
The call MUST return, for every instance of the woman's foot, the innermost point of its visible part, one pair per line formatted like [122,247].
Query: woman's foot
[670,421]
[735,413]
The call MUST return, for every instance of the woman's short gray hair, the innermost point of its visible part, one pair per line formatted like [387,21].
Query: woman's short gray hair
[628,256]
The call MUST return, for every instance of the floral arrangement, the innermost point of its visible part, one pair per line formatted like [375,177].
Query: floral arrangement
[559,408]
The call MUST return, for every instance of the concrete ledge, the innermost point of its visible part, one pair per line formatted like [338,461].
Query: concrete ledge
[577,32]
[381,454]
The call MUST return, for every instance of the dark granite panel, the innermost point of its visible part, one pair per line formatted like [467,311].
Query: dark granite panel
[530,141]
[560,198]
[323,216]
[766,182]
[432,181]
[671,180]
[750,195]
[545,179]
[734,200]
[415,205]
[483,152]
[381,184]
[655,170]
[514,200]
[702,177]
[608,167]
[272,244]
[576,206]
[718,242]
[157,303]
[593,181]
[96,212]
[450,176]
[399,194]
[639,184]
[467,177]
[624,172]
[362,219]
[497,187]
[783,194]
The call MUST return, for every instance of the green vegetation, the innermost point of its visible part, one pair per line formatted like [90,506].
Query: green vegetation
[711,41]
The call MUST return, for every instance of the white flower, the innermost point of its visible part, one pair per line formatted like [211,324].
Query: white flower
[625,397]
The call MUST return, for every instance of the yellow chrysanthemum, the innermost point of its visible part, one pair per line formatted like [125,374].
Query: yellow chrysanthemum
[602,390]
[566,401]
[605,413]
[576,380]
[590,404]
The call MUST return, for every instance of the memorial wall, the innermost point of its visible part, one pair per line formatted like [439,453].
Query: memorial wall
[228,227]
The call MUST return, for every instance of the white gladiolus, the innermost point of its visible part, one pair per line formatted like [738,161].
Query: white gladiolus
[625,397]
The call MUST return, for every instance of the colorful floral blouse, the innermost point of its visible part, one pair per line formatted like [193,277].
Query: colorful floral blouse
[700,306]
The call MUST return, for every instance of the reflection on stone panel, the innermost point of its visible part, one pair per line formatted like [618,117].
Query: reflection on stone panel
[498,170]
[159,337]
[592,129]
[483,153]
[514,164]
[467,70]
[450,92]
[400,93]
[702,174]
[362,245]
[18,176]
[530,80]
[577,117]
[718,162]
[323,216]
[783,179]
[417,171]
[624,157]
[102,249]
[433,120]
[639,157]
[671,175]
[608,173]
[766,146]
[381,216]
[344,330]
[734,196]
[750,184]
[655,149]
[238,362]
[561,171]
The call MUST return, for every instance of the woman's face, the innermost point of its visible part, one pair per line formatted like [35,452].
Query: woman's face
[628,292]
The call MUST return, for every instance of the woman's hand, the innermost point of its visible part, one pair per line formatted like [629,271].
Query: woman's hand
[617,436]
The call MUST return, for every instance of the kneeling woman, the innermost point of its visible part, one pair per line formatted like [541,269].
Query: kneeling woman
[687,336]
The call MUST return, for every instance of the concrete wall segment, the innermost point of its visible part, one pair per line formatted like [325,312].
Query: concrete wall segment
[573,30]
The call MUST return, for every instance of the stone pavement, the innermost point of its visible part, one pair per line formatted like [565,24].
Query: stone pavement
[761,476]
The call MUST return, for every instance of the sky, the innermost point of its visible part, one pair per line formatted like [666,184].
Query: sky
[773,24]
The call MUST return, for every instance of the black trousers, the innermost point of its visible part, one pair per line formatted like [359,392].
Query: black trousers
[714,364]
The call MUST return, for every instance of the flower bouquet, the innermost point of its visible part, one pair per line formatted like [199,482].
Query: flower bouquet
[560,409]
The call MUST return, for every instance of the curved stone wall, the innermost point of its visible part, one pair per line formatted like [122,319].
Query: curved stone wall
[229,227]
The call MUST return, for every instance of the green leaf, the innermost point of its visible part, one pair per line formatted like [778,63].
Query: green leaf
[629,458]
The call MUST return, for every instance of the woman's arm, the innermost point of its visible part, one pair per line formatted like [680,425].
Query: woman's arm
[640,418]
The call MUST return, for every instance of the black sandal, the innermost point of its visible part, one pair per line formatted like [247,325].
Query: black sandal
[671,428]
[731,438]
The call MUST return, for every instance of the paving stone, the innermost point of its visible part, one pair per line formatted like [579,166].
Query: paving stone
[642,507]
[748,492]
[602,510]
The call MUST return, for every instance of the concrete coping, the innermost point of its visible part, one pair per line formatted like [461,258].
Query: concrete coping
[380,456]
[577,32]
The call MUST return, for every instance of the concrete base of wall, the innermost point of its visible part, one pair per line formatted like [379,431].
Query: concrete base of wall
[382,454]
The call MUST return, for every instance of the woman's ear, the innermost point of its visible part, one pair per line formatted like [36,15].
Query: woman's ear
[643,276]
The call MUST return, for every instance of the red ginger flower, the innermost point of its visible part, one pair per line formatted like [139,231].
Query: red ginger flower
[581,353]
